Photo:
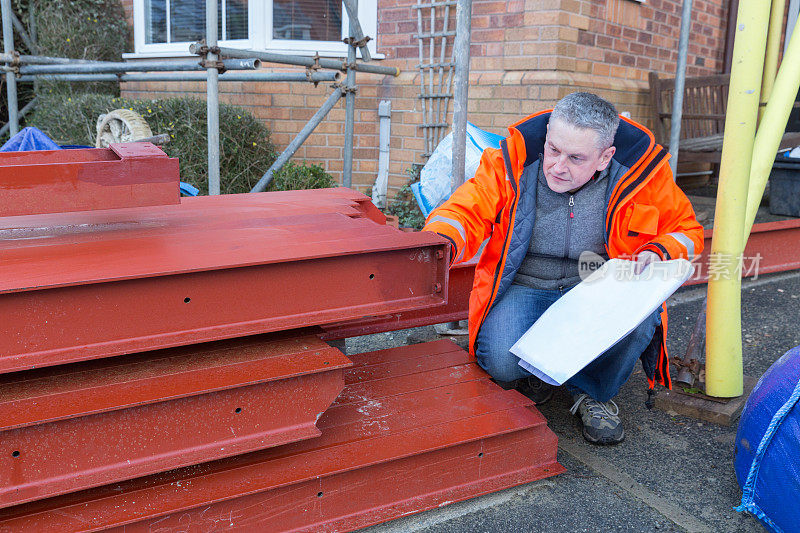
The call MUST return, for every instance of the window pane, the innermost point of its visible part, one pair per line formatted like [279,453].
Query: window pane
[307,20]
[155,21]
[187,20]
[235,19]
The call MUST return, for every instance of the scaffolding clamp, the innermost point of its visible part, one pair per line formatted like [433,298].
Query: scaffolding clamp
[312,69]
[357,43]
[203,52]
[13,65]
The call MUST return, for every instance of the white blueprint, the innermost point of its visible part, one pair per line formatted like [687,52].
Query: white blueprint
[594,315]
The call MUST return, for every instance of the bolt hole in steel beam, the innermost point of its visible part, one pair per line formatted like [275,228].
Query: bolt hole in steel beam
[480,454]
[372,276]
[238,410]
[319,495]
[187,300]
[15,453]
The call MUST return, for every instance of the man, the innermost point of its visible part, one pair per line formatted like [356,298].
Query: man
[572,180]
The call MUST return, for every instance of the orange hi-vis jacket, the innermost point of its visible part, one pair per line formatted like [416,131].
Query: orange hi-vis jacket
[645,210]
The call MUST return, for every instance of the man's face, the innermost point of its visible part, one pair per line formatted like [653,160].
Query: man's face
[571,156]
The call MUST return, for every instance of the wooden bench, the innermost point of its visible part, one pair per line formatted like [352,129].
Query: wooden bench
[703,122]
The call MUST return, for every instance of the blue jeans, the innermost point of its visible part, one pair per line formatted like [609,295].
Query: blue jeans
[519,308]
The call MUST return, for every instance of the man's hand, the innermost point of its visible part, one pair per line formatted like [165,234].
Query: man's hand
[643,259]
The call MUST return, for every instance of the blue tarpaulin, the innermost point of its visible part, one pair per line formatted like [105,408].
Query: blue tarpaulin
[29,139]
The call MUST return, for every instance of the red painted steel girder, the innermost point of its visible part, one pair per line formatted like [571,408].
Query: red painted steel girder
[459,286]
[173,409]
[388,448]
[772,247]
[300,202]
[103,283]
[69,391]
[53,181]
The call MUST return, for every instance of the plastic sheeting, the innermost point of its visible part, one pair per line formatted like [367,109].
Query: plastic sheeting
[767,452]
[433,187]
[29,139]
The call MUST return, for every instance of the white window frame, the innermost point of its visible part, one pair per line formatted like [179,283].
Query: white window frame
[260,34]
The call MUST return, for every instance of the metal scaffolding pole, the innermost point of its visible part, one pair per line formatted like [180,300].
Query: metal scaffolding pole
[212,97]
[461,90]
[192,76]
[11,80]
[680,82]
[321,113]
[350,100]
[22,112]
[26,39]
[43,60]
[355,28]
[303,61]
[36,68]
[98,67]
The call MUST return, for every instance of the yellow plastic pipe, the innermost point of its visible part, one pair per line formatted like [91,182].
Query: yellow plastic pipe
[773,51]
[723,317]
[772,126]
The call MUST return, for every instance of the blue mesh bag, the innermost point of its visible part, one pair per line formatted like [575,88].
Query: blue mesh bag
[767,451]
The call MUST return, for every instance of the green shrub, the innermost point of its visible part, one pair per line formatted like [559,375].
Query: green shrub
[246,151]
[78,29]
[82,29]
[404,205]
[305,176]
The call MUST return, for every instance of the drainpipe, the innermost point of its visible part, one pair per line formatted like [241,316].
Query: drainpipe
[381,187]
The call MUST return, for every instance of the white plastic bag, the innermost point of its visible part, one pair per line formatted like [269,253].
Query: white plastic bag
[433,187]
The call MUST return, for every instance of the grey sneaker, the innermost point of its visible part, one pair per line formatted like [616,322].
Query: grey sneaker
[601,425]
[535,389]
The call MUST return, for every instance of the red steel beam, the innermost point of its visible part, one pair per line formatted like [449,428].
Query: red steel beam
[69,391]
[772,247]
[458,290]
[53,181]
[246,404]
[388,448]
[106,283]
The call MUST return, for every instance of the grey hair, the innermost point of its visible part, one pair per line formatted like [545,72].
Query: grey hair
[589,111]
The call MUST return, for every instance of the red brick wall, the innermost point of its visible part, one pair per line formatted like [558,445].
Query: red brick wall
[526,54]
[127,5]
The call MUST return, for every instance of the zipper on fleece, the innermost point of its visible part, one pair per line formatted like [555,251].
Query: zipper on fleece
[566,241]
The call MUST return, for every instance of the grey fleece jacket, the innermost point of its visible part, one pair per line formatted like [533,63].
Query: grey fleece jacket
[566,225]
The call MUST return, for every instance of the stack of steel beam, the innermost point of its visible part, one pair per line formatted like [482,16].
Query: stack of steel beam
[162,362]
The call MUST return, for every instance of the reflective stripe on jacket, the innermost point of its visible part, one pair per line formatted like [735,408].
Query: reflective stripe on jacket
[645,210]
